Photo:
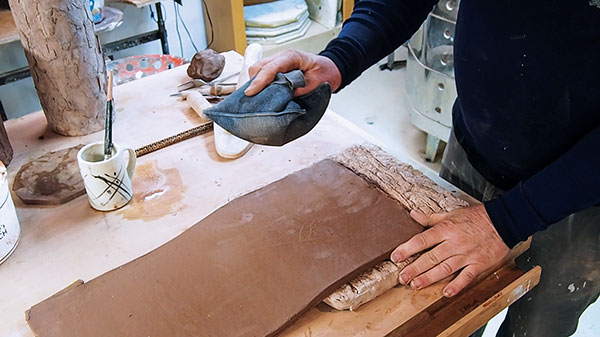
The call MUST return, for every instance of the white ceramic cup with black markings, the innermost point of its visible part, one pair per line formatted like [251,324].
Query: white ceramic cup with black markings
[107,182]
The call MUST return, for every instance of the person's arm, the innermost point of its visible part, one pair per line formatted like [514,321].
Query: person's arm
[569,184]
[470,240]
[375,29]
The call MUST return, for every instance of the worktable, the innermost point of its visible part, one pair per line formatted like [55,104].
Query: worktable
[180,185]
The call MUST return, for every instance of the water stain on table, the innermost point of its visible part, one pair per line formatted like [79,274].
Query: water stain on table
[156,192]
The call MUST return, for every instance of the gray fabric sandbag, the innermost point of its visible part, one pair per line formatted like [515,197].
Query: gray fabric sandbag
[273,116]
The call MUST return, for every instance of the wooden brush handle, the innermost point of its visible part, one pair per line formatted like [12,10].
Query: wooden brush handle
[109,91]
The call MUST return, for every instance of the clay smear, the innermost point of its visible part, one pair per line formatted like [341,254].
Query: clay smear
[156,192]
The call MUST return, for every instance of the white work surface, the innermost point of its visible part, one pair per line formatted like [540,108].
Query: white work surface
[182,184]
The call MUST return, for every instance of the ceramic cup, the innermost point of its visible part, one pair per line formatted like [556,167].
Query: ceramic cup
[9,223]
[107,182]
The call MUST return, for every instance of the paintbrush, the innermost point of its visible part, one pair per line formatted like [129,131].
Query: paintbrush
[108,145]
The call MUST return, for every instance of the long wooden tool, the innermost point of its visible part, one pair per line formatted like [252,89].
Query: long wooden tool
[193,132]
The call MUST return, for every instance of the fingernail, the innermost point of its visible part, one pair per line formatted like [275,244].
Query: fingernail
[403,278]
[395,257]
[415,284]
[448,292]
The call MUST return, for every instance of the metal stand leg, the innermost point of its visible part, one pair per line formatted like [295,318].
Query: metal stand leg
[162,31]
[432,147]
[390,61]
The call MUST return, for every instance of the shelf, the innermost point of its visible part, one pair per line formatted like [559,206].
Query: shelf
[315,40]
[8,30]
[230,29]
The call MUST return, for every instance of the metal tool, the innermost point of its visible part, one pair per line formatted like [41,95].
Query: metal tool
[195,83]
[212,89]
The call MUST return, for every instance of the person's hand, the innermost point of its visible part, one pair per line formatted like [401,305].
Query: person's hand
[317,69]
[463,241]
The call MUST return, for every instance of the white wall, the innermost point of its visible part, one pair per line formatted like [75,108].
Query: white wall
[20,98]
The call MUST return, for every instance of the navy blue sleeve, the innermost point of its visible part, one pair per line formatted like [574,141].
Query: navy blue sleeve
[568,185]
[374,30]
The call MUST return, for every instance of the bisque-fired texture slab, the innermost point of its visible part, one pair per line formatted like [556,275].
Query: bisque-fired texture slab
[247,269]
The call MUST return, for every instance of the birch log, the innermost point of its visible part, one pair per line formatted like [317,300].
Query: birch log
[6,151]
[66,63]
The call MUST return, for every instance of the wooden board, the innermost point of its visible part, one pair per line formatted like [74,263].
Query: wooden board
[502,295]
[228,25]
[248,269]
[8,30]
[347,8]
[255,2]
[474,307]
[402,310]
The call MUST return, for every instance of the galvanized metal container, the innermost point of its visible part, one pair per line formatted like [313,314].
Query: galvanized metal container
[430,86]
[10,231]
[430,96]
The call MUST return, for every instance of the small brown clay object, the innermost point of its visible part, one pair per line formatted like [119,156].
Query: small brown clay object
[206,65]
[51,179]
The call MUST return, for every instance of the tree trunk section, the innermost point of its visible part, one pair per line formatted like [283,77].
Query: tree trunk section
[6,151]
[66,62]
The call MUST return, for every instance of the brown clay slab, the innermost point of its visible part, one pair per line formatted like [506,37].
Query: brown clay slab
[248,269]
[51,179]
